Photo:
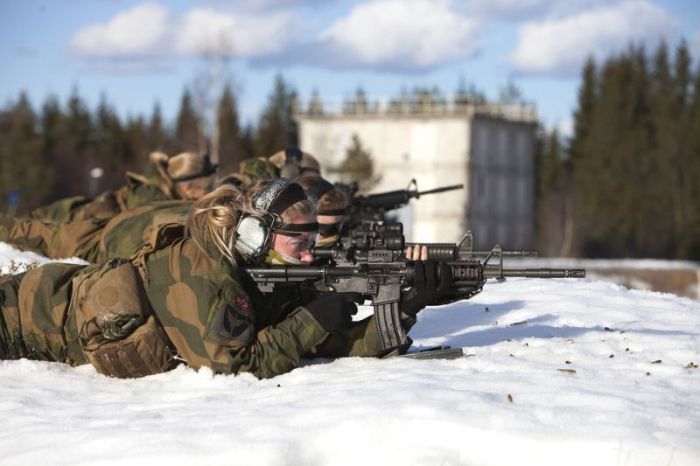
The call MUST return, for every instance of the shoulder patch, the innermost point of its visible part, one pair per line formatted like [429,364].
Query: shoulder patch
[242,303]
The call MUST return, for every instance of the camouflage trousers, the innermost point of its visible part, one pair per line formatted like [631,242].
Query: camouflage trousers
[54,239]
[11,344]
[36,317]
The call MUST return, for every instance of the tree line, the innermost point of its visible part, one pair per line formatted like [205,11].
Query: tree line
[627,182]
[48,152]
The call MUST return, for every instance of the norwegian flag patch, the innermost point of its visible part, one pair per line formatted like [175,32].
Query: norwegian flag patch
[242,303]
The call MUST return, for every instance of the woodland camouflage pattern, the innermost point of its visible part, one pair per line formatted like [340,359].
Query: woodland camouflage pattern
[94,240]
[139,190]
[212,314]
[251,170]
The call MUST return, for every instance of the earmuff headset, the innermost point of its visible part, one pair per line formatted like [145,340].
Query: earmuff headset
[253,232]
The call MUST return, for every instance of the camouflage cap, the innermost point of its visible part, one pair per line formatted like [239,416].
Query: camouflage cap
[258,169]
[187,166]
[306,161]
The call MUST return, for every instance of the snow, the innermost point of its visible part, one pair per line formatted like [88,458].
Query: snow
[632,400]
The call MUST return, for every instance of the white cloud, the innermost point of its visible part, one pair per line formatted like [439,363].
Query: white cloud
[148,30]
[412,34]
[560,46]
[137,31]
[209,31]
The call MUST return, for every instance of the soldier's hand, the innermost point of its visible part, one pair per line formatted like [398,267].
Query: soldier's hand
[431,284]
[334,311]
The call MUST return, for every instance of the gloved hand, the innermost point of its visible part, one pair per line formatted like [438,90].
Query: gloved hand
[427,289]
[334,310]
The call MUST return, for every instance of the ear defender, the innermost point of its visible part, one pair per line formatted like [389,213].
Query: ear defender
[253,235]
[254,231]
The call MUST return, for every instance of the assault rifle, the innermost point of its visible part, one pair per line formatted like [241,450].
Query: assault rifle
[373,206]
[372,263]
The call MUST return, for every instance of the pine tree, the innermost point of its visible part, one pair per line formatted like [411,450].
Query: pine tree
[582,162]
[666,145]
[112,154]
[687,164]
[631,171]
[551,201]
[248,141]
[230,149]
[187,126]
[157,139]
[52,129]
[601,157]
[689,245]
[277,128]
[75,151]
[22,175]
[138,146]
[358,166]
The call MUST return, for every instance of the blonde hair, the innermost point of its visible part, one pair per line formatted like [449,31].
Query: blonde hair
[213,219]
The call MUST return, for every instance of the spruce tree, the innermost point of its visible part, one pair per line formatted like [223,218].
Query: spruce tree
[112,154]
[580,159]
[687,160]
[230,149]
[187,126]
[22,175]
[551,193]
[136,136]
[52,128]
[689,245]
[75,150]
[157,139]
[277,128]
[358,166]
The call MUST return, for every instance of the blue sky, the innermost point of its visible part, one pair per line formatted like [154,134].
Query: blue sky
[142,52]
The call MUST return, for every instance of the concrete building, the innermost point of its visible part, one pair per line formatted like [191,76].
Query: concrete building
[488,148]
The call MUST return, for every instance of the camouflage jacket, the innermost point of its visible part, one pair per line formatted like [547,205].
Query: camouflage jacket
[94,240]
[139,190]
[211,313]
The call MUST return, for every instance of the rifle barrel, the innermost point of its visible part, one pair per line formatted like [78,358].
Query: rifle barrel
[535,273]
[440,190]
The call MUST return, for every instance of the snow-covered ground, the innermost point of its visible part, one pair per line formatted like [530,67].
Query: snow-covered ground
[555,372]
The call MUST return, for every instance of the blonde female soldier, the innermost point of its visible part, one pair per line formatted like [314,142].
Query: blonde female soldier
[186,298]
